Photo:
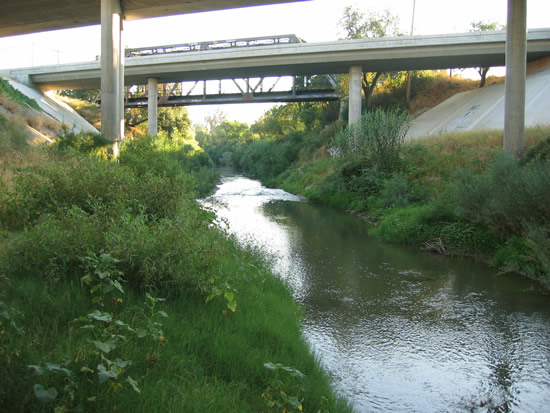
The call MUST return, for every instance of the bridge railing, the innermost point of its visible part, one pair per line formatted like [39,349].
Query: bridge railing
[214,45]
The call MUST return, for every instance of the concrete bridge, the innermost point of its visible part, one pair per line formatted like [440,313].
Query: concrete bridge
[113,72]
[479,49]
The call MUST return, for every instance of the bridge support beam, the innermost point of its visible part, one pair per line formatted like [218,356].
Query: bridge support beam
[516,57]
[355,98]
[152,106]
[112,73]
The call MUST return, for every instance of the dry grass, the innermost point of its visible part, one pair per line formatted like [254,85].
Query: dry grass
[21,115]
[473,150]
[89,111]
[10,105]
[479,140]
[442,88]
[12,161]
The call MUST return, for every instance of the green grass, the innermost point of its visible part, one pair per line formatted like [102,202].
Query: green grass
[213,359]
[16,96]
[87,249]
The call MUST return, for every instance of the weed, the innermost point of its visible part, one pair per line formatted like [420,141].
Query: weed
[284,380]
[378,135]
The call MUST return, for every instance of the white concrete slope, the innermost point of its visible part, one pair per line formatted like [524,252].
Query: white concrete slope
[57,109]
[484,108]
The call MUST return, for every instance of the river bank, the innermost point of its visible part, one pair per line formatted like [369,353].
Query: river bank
[455,194]
[117,293]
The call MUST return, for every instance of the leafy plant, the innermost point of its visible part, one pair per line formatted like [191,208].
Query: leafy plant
[283,380]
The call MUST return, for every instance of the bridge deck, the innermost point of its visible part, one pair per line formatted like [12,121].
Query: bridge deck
[384,54]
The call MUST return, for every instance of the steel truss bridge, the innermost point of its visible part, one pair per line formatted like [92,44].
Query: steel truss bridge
[244,90]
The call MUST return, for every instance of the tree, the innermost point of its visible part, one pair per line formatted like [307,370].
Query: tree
[215,119]
[90,95]
[231,131]
[358,25]
[174,122]
[483,27]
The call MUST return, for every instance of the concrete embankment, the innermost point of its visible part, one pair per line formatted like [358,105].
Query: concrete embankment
[484,108]
[55,108]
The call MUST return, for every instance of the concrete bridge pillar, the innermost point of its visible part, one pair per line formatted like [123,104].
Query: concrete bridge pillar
[516,56]
[355,98]
[152,106]
[112,72]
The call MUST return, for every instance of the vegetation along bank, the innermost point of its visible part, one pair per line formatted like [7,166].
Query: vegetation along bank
[454,194]
[118,294]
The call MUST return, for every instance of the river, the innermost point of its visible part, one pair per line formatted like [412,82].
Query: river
[398,330]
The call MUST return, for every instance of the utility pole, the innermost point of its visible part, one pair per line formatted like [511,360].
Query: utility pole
[408,96]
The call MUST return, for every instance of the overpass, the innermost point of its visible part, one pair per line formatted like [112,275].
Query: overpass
[476,49]
[31,16]
[26,16]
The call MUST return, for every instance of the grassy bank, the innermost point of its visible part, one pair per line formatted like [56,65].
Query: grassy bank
[118,294]
[455,194]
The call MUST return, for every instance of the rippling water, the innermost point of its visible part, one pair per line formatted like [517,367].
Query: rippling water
[399,330]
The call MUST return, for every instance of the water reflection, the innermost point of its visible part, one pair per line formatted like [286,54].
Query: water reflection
[399,330]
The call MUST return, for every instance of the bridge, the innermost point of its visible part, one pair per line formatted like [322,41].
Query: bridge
[249,89]
[29,16]
[226,60]
[477,49]
[26,16]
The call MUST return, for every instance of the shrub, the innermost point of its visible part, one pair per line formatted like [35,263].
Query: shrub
[84,142]
[537,239]
[396,192]
[538,152]
[182,162]
[464,238]
[70,179]
[516,255]
[506,197]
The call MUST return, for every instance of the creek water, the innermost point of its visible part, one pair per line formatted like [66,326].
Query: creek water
[398,330]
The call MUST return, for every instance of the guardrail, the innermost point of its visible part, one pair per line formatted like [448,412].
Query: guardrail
[214,45]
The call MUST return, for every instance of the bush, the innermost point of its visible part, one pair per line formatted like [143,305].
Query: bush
[396,192]
[70,179]
[180,161]
[506,197]
[412,225]
[538,240]
[516,255]
[538,152]
[84,142]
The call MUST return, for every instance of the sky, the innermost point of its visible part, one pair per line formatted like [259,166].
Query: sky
[313,21]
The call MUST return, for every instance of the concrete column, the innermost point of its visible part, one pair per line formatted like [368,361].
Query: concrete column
[516,56]
[112,88]
[355,98]
[152,106]
[121,79]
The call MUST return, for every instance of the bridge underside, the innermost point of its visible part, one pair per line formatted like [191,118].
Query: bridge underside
[30,16]
[258,97]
